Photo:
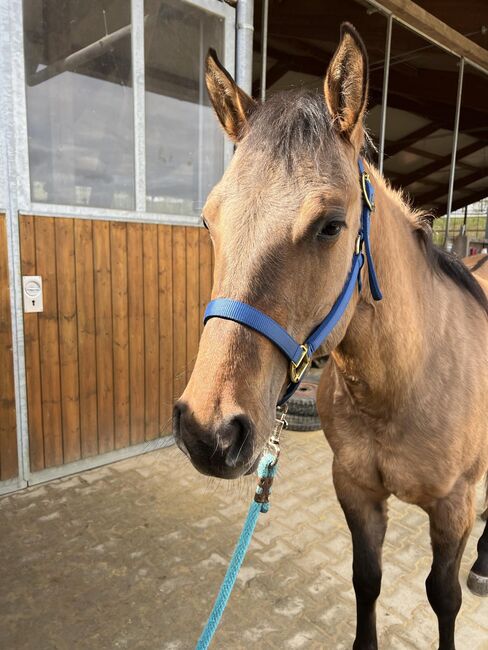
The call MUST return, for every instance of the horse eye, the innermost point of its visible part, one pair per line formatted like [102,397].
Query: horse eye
[205,224]
[331,230]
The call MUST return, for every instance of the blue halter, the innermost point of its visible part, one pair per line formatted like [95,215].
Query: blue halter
[300,354]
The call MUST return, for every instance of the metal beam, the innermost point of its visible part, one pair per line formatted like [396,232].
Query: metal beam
[454,149]
[384,101]
[264,48]
[244,41]
[139,97]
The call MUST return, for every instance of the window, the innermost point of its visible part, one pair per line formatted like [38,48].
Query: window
[184,143]
[79,102]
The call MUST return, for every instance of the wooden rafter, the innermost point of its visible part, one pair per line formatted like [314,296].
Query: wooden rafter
[395,146]
[407,179]
[459,183]
[470,198]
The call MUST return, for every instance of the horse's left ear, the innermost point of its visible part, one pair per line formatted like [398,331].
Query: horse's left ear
[232,105]
[346,84]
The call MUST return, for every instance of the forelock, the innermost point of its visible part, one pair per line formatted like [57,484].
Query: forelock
[291,126]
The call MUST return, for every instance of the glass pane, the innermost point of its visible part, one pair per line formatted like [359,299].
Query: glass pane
[184,143]
[80,102]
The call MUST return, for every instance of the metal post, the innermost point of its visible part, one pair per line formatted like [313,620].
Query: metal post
[139,90]
[264,48]
[384,97]
[245,29]
[452,171]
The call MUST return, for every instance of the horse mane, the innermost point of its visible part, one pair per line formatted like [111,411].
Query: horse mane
[291,125]
[445,263]
[441,261]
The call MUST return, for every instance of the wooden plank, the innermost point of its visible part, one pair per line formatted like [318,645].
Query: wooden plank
[49,341]
[8,438]
[179,310]
[165,328]
[120,307]
[103,335]
[192,298]
[205,271]
[136,332]
[151,331]
[85,301]
[68,339]
[32,352]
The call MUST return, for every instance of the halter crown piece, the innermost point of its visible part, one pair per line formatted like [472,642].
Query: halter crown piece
[300,354]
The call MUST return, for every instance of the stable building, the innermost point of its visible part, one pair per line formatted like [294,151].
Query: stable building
[109,150]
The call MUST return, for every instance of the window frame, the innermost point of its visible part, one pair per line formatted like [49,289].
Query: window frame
[24,201]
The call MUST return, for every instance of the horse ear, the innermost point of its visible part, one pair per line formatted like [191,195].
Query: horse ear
[232,105]
[346,82]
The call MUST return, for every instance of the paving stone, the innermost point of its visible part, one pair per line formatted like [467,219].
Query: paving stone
[132,555]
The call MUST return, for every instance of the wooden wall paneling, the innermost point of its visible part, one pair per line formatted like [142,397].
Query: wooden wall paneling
[151,330]
[120,310]
[192,299]
[32,352]
[49,343]
[136,332]
[116,342]
[85,300]
[179,310]
[8,435]
[104,335]
[165,251]
[68,339]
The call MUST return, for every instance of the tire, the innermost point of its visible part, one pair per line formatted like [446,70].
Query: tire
[303,422]
[303,402]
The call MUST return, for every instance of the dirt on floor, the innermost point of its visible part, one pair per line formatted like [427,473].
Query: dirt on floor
[131,556]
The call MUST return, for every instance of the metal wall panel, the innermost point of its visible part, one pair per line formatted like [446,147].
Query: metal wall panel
[8,429]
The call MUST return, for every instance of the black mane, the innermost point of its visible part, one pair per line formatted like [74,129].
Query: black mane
[292,124]
[449,264]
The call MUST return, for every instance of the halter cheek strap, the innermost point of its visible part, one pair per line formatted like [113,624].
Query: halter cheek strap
[300,354]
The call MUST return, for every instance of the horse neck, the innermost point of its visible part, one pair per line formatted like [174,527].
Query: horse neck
[385,341]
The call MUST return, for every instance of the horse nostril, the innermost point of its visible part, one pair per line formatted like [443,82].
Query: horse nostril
[178,411]
[236,435]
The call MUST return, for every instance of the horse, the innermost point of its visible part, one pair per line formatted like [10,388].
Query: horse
[402,399]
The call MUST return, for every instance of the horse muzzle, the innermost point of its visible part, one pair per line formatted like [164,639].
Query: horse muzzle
[224,450]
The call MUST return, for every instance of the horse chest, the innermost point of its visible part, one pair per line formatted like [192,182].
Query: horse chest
[383,462]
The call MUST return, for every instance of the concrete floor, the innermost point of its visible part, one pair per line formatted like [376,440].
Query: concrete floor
[132,555]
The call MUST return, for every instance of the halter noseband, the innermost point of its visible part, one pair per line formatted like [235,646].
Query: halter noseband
[300,354]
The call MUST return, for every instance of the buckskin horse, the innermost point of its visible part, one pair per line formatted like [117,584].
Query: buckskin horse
[403,397]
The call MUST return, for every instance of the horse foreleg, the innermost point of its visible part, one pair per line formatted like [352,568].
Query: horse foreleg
[366,517]
[451,520]
[478,576]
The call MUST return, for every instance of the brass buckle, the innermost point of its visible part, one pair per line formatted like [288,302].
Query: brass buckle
[364,180]
[359,244]
[298,369]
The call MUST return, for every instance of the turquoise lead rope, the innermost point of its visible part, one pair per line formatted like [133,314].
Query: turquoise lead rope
[266,472]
